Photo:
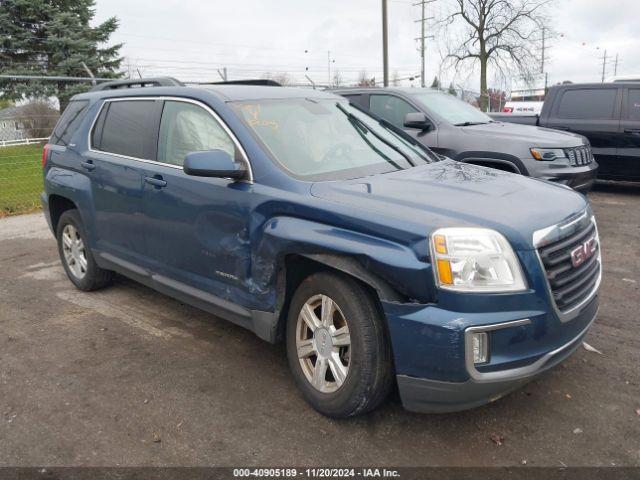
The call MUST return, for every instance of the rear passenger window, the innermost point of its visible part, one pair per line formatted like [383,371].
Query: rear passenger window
[391,108]
[185,128]
[125,128]
[634,104]
[356,99]
[69,122]
[588,103]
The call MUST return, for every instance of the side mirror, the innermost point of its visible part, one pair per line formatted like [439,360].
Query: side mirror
[212,163]
[417,120]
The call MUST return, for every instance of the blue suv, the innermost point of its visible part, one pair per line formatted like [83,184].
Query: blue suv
[298,216]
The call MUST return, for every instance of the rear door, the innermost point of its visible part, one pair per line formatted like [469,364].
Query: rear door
[595,113]
[197,228]
[122,141]
[393,109]
[629,147]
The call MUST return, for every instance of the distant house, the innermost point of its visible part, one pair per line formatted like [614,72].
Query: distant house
[31,120]
[11,127]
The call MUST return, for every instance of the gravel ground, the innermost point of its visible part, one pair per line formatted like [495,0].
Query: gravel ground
[127,376]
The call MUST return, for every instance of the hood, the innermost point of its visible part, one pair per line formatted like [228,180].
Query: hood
[534,136]
[449,193]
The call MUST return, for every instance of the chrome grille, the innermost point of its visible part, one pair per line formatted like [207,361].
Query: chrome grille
[579,155]
[571,285]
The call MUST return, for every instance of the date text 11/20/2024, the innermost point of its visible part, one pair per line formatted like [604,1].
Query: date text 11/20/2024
[315,473]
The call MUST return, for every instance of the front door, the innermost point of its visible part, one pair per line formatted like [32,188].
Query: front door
[629,146]
[197,229]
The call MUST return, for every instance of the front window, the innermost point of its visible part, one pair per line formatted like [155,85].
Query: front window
[451,109]
[391,108]
[186,128]
[329,139]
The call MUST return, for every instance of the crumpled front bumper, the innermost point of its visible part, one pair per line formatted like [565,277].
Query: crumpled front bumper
[436,343]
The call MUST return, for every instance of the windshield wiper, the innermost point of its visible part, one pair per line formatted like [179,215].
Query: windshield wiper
[364,126]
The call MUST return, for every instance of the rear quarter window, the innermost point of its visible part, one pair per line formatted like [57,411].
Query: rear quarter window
[588,103]
[69,122]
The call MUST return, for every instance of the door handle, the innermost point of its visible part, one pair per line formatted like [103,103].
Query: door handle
[156,181]
[632,131]
[88,165]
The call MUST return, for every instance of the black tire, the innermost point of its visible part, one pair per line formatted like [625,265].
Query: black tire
[94,277]
[370,367]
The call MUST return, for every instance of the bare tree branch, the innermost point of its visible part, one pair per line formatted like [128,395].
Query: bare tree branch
[501,34]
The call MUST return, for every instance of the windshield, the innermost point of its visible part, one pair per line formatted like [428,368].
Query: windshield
[451,109]
[329,139]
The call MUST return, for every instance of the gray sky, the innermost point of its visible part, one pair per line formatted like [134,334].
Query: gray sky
[191,39]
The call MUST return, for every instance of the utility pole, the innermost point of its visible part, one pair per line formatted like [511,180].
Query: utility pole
[615,67]
[86,69]
[422,38]
[329,62]
[544,31]
[385,45]
[223,73]
[604,65]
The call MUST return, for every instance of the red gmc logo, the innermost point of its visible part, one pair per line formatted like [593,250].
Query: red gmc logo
[583,252]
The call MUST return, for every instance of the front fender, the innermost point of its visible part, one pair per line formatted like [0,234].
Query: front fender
[394,264]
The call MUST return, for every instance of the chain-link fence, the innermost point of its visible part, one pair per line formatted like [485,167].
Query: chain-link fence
[21,142]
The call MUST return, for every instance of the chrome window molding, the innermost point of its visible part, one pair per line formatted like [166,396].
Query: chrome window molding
[208,109]
[556,232]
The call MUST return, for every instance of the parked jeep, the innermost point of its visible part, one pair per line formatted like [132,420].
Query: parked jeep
[460,131]
[608,114]
[297,216]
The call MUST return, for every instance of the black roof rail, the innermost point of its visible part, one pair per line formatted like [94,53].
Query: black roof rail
[139,83]
[251,81]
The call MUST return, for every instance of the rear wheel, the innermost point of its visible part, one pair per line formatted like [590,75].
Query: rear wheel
[337,346]
[76,257]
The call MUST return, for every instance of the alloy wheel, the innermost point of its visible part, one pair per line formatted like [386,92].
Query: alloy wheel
[75,254]
[323,343]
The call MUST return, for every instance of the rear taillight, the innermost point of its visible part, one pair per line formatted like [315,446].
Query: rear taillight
[45,154]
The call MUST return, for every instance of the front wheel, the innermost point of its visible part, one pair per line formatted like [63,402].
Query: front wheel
[337,346]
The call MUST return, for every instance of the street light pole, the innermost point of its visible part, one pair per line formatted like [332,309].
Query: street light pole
[385,45]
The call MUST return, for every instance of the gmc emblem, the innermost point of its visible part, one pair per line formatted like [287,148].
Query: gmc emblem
[583,252]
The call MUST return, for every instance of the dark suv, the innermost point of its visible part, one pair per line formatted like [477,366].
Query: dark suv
[608,114]
[455,129]
[295,215]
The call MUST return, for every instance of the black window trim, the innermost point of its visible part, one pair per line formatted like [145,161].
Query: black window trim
[162,99]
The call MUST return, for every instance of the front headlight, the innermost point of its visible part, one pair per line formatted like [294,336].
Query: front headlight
[547,154]
[475,260]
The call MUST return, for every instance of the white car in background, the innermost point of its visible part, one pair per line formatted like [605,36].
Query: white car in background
[523,107]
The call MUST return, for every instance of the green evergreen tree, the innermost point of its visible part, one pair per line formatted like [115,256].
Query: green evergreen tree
[53,37]
[435,83]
